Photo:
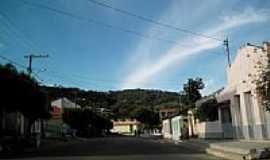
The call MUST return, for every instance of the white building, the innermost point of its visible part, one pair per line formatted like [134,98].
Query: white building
[64,103]
[240,107]
[55,125]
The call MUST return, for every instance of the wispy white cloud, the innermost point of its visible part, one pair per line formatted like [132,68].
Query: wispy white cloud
[149,68]
[249,15]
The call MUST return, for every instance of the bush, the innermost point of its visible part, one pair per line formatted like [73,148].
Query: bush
[207,111]
[86,122]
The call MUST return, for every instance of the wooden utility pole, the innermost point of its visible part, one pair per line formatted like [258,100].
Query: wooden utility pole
[30,58]
[227,50]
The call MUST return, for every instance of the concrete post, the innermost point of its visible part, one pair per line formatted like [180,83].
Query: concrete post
[245,123]
[259,128]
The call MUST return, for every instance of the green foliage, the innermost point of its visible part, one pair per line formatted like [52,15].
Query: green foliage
[263,84]
[19,92]
[190,94]
[85,120]
[207,111]
[148,117]
[122,103]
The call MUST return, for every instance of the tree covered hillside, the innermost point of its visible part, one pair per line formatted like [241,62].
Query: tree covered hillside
[123,103]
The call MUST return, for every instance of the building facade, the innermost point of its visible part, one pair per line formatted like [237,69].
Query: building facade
[54,126]
[167,112]
[218,126]
[179,127]
[126,127]
[239,103]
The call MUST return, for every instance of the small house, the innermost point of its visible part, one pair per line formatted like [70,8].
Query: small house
[179,127]
[126,127]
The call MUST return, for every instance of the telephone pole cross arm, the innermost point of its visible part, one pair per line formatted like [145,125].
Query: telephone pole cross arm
[30,57]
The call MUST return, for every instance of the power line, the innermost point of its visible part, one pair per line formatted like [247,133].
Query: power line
[106,25]
[17,33]
[77,80]
[13,62]
[30,57]
[22,66]
[149,20]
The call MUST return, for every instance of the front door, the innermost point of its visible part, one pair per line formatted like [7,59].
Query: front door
[226,120]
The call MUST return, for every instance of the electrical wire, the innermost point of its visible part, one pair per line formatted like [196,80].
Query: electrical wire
[106,25]
[149,20]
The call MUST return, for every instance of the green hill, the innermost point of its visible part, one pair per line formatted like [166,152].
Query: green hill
[121,102]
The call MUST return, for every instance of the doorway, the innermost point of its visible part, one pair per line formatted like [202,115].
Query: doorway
[226,120]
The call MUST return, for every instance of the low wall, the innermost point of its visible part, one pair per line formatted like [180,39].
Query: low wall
[166,129]
[209,130]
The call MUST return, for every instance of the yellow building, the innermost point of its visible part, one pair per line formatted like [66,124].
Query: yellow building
[126,127]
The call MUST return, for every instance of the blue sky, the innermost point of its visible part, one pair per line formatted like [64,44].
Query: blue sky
[91,56]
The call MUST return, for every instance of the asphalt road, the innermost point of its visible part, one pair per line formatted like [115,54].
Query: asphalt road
[119,148]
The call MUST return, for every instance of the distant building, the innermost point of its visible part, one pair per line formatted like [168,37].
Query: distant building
[55,124]
[126,127]
[175,127]
[104,111]
[59,105]
[167,112]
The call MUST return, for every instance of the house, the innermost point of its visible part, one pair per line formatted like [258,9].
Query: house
[54,125]
[126,127]
[104,111]
[175,127]
[15,123]
[211,126]
[179,127]
[59,105]
[167,112]
[241,112]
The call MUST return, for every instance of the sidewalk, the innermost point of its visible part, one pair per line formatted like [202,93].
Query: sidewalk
[229,149]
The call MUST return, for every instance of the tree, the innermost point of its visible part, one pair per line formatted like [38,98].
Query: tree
[148,117]
[121,103]
[207,111]
[87,122]
[20,92]
[263,83]
[190,94]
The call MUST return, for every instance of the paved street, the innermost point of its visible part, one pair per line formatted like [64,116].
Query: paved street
[112,148]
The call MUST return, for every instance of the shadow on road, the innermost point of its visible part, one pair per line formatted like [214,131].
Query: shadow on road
[110,146]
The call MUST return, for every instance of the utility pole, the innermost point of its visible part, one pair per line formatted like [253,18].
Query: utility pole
[30,58]
[227,50]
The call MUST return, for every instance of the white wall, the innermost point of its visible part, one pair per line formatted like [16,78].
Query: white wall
[64,103]
[242,76]
[166,129]
[209,129]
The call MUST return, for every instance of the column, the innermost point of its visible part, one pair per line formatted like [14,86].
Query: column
[260,131]
[244,115]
